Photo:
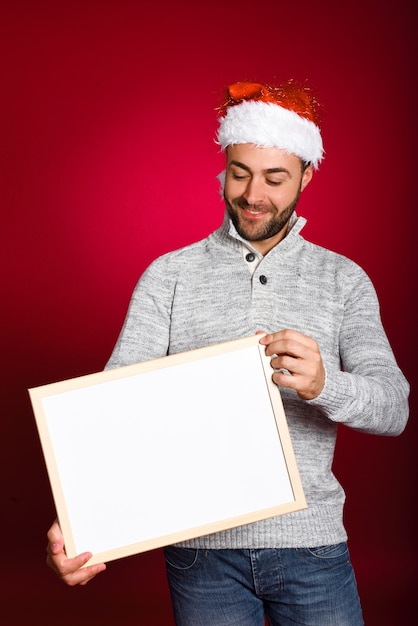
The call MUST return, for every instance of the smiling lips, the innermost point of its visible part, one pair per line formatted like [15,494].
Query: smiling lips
[254,213]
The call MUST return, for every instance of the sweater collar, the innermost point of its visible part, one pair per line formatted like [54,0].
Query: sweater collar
[227,232]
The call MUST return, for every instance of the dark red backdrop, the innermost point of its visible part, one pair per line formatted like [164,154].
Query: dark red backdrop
[108,160]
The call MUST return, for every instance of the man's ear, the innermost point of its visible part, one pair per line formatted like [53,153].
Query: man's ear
[307,176]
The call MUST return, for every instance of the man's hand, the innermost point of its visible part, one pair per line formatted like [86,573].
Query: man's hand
[69,570]
[299,356]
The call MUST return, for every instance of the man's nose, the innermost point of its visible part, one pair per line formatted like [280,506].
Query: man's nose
[254,191]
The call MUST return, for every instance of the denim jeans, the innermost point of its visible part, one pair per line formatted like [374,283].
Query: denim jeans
[301,586]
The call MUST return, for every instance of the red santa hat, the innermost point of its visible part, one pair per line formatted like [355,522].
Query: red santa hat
[283,117]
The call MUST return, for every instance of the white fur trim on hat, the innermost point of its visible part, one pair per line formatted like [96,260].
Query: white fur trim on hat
[269,125]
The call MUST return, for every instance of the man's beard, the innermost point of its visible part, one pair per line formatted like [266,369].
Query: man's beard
[264,231]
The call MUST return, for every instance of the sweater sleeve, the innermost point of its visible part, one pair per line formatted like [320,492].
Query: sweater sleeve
[369,393]
[146,329]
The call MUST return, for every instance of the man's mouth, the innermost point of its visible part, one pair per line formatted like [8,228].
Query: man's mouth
[254,212]
[251,211]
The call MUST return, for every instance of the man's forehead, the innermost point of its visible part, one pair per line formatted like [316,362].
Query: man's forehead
[265,158]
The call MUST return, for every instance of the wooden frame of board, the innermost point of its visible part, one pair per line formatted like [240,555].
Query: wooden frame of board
[167,450]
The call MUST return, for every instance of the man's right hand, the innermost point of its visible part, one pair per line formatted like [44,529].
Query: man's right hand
[70,571]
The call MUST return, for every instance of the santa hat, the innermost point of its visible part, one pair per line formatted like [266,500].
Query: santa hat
[283,117]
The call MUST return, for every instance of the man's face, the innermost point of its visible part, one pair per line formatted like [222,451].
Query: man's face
[262,188]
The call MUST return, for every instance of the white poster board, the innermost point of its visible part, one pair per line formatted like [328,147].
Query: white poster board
[167,450]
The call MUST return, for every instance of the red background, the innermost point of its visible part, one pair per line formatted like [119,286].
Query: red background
[108,160]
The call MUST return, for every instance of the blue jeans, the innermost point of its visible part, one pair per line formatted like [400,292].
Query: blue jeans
[303,586]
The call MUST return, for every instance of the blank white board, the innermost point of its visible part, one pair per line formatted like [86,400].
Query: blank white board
[167,450]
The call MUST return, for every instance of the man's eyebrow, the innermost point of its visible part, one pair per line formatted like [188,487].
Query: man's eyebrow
[277,170]
[241,165]
[270,170]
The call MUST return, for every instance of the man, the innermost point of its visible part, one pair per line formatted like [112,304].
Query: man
[329,353]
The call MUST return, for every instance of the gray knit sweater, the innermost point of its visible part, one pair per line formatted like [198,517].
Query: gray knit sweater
[203,294]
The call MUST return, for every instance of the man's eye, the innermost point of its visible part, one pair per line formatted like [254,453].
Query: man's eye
[239,176]
[273,183]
